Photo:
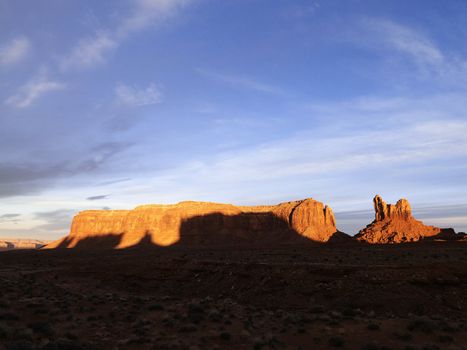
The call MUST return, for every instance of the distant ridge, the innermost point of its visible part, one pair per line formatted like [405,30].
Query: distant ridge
[22,243]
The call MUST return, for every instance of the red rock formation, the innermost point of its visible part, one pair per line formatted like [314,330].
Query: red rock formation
[185,222]
[395,224]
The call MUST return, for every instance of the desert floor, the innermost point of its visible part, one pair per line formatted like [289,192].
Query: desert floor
[410,296]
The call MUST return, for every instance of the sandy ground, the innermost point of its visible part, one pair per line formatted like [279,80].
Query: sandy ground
[350,297]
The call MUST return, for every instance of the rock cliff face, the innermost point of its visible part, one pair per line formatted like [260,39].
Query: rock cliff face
[395,224]
[188,222]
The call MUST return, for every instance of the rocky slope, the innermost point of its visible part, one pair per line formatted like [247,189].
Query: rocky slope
[201,222]
[395,224]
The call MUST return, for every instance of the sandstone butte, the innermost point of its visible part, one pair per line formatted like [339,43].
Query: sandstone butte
[188,222]
[395,224]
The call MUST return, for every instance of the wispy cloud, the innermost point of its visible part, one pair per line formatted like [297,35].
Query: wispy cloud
[14,51]
[96,198]
[389,112]
[372,143]
[55,221]
[112,182]
[94,49]
[11,217]
[415,46]
[296,12]
[147,13]
[316,155]
[243,82]
[406,40]
[90,51]
[33,176]
[38,86]
[297,157]
[135,97]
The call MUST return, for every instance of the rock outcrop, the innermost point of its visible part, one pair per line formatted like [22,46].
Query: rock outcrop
[395,224]
[189,222]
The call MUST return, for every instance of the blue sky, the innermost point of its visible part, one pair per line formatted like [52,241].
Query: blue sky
[112,104]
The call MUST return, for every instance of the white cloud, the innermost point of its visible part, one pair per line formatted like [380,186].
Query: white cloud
[243,82]
[400,44]
[406,40]
[34,89]
[297,156]
[93,50]
[311,157]
[319,161]
[15,51]
[389,111]
[90,51]
[132,96]
[147,13]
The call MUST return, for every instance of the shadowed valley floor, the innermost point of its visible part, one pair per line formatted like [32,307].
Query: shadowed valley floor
[411,296]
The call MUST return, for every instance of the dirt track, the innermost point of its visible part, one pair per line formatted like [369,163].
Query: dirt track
[351,297]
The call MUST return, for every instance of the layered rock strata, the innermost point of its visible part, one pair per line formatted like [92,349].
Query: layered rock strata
[189,222]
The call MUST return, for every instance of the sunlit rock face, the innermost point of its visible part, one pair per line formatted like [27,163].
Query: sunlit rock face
[395,224]
[202,222]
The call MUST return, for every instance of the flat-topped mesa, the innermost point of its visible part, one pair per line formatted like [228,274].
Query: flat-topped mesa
[200,222]
[395,224]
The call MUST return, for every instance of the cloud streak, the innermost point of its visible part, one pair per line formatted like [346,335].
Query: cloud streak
[9,218]
[406,40]
[147,13]
[90,51]
[356,150]
[93,50]
[243,82]
[394,39]
[29,177]
[34,89]
[96,198]
[55,221]
[14,51]
[132,96]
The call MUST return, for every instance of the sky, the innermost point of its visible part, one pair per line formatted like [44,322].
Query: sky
[113,104]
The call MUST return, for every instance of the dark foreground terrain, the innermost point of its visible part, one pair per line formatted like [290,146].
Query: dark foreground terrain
[352,297]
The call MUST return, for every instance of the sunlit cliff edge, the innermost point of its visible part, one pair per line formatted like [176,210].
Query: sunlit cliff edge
[198,221]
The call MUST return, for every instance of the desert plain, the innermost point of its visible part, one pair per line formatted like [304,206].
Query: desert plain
[409,296]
